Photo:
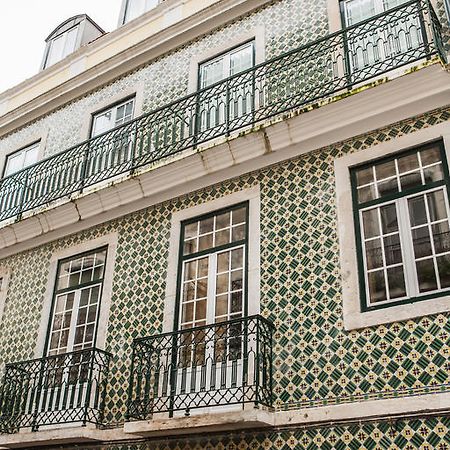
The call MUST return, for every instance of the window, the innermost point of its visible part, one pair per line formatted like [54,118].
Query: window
[213,278]
[238,99]
[385,41]
[226,65]
[402,227]
[76,303]
[61,46]
[21,159]
[112,117]
[134,8]
[4,278]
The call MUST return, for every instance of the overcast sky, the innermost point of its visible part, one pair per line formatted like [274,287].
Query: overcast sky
[24,25]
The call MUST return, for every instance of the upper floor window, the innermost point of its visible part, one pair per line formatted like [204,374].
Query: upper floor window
[112,117]
[358,10]
[227,64]
[68,37]
[402,221]
[76,303]
[21,159]
[61,46]
[134,8]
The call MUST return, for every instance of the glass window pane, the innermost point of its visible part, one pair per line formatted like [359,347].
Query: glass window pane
[385,170]
[56,50]
[388,187]
[241,59]
[408,163]
[443,263]
[433,173]
[358,10]
[430,156]
[421,242]
[370,223]
[437,206]
[392,249]
[239,216]
[364,176]
[396,281]
[426,275]
[367,193]
[71,40]
[223,262]
[389,218]
[410,180]
[221,305]
[377,286]
[191,230]
[102,123]
[441,237]
[207,225]
[417,211]
[374,255]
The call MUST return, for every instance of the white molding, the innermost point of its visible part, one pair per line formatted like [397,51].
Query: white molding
[109,240]
[257,34]
[269,143]
[203,21]
[251,195]
[353,317]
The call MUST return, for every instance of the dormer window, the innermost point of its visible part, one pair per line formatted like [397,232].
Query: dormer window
[134,8]
[69,37]
[62,46]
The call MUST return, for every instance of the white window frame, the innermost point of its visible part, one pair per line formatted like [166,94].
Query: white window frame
[251,195]
[113,109]
[109,240]
[353,317]
[66,51]
[34,146]
[226,57]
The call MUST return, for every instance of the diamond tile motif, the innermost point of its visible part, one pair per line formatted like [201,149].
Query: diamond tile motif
[316,362]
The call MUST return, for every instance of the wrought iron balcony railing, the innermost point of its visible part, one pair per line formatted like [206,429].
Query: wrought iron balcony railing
[330,65]
[228,363]
[67,388]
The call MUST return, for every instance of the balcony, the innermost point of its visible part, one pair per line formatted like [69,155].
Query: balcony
[61,389]
[330,66]
[219,365]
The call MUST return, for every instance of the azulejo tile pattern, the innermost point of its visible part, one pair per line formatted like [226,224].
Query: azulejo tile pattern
[287,24]
[424,434]
[316,361]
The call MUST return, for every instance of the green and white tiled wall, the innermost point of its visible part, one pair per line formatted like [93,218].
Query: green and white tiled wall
[316,362]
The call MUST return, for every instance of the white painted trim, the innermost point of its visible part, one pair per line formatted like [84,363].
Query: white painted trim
[251,195]
[105,302]
[353,317]
[5,273]
[257,34]
[137,90]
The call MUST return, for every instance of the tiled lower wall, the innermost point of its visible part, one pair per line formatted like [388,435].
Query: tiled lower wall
[316,362]
[418,434]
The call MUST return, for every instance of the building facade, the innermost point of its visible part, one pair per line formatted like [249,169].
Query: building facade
[226,224]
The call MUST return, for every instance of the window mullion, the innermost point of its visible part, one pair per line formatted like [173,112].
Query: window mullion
[406,241]
[211,294]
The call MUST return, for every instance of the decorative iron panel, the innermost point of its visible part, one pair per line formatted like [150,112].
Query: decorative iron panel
[66,388]
[226,363]
[330,65]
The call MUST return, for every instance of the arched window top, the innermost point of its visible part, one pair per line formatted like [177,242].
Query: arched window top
[68,37]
